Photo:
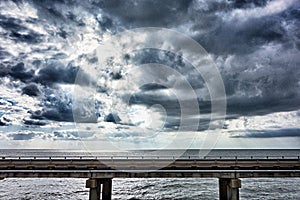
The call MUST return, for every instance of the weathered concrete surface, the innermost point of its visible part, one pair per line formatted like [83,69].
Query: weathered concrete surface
[149,174]
[150,164]
[229,188]
[99,188]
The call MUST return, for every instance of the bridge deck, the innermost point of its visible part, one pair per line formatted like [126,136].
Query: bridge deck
[83,167]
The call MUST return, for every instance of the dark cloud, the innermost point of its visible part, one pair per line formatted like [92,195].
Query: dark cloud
[56,106]
[3,55]
[4,121]
[56,72]
[112,117]
[58,134]
[146,13]
[258,83]
[60,113]
[18,72]
[49,9]
[3,71]
[243,38]
[248,3]
[291,132]
[105,22]
[208,20]
[31,90]
[22,136]
[10,23]
[263,82]
[259,106]
[116,75]
[170,104]
[30,37]
[169,59]
[53,72]
[31,122]
[222,35]
[20,67]
[49,73]
[258,56]
[172,109]
[15,30]
[152,86]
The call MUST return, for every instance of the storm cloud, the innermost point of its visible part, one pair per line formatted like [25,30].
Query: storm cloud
[56,72]
[254,44]
[56,106]
[22,136]
[270,133]
[31,90]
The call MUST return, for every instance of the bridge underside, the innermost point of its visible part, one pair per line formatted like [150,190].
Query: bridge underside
[149,174]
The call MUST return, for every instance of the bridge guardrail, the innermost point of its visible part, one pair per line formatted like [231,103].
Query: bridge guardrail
[150,157]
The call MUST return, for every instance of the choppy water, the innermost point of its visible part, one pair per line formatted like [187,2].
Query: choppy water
[154,188]
[54,189]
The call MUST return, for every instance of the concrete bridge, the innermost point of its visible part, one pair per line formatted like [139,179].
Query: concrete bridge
[100,171]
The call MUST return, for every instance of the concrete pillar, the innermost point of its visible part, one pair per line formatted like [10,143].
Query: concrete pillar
[95,189]
[229,188]
[223,183]
[100,189]
[107,189]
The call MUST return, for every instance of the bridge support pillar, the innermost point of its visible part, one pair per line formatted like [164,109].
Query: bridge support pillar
[95,189]
[100,189]
[106,188]
[229,188]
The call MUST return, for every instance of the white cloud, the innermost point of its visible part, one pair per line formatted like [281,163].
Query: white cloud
[15,106]
[273,121]
[273,7]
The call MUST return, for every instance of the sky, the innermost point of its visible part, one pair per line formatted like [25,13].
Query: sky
[145,74]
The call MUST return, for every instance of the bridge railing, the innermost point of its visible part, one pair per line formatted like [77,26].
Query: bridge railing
[160,157]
